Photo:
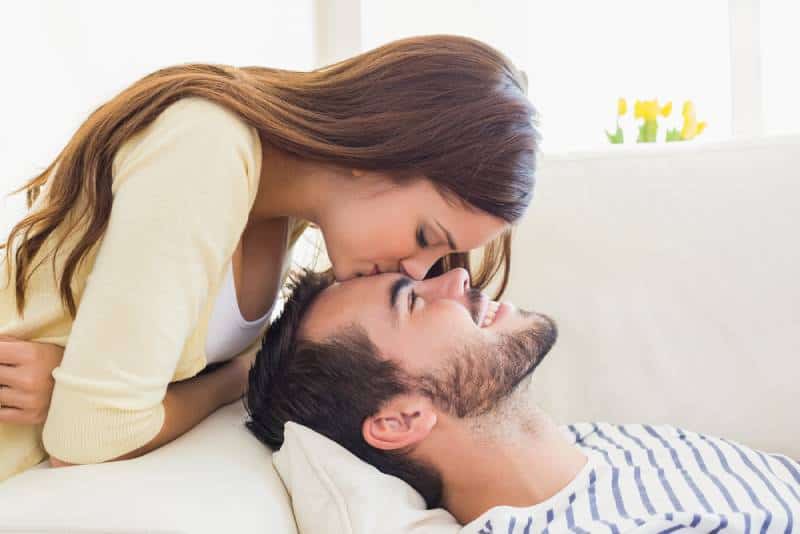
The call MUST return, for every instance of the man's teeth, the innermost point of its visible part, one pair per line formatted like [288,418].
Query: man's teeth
[491,311]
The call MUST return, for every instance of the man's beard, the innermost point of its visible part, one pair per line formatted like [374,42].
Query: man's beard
[477,379]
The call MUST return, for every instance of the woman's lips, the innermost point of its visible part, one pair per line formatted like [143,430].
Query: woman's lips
[376,270]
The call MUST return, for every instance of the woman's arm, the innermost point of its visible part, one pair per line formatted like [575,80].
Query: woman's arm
[190,401]
[182,195]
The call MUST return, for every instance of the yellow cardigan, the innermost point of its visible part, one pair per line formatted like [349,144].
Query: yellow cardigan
[183,188]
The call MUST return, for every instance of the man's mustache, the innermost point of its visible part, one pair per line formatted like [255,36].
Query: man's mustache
[474,299]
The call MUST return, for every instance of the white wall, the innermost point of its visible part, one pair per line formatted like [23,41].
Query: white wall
[63,59]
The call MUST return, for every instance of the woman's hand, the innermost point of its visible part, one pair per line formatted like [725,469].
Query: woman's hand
[237,370]
[26,380]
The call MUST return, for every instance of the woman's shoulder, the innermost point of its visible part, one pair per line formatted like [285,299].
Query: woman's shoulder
[192,123]
[197,108]
[205,117]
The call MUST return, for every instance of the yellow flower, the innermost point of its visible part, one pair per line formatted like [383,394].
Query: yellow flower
[622,107]
[639,109]
[649,110]
[646,109]
[691,127]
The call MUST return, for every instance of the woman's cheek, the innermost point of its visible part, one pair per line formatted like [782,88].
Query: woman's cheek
[343,248]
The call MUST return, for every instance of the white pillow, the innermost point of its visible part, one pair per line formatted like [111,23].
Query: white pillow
[334,491]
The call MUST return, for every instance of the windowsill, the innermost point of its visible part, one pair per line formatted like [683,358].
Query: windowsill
[644,149]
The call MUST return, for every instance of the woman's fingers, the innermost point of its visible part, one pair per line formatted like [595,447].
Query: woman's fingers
[26,382]
[13,398]
[9,350]
[20,407]
[8,376]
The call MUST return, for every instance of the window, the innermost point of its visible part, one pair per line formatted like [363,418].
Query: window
[580,56]
[780,44]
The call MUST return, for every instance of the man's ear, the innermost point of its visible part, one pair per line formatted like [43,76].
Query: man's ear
[405,420]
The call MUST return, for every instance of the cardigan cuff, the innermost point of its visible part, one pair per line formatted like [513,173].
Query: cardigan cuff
[80,430]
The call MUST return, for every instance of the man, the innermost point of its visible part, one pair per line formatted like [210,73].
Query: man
[427,380]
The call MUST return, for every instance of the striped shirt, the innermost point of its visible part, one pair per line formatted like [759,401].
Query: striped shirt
[661,479]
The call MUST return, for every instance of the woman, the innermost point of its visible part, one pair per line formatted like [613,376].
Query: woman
[163,230]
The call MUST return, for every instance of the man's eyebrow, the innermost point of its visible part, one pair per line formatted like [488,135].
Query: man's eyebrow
[449,236]
[395,289]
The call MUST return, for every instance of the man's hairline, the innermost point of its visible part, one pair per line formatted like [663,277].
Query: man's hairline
[343,332]
[337,333]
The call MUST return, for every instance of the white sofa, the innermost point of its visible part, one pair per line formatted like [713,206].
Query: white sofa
[216,478]
[672,272]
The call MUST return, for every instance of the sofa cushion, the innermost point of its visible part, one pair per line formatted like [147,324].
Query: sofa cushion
[215,478]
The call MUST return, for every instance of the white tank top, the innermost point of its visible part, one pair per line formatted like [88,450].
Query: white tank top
[229,333]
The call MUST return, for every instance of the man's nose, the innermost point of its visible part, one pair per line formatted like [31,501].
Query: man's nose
[452,284]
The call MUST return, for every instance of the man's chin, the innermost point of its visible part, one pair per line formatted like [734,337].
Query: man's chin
[548,333]
[528,347]
[540,335]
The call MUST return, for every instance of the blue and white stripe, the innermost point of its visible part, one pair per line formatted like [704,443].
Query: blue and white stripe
[661,479]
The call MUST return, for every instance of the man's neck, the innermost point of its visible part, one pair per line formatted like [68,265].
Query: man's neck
[521,470]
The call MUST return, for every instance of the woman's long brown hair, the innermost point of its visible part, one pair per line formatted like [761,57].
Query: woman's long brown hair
[449,108]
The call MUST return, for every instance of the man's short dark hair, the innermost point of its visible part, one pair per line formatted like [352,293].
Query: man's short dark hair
[330,386]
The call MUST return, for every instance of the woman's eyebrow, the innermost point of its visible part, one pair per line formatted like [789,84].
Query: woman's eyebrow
[449,236]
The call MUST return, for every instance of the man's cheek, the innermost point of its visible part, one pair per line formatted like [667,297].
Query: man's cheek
[423,353]
[444,339]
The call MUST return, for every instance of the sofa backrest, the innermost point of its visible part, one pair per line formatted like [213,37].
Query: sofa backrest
[674,275]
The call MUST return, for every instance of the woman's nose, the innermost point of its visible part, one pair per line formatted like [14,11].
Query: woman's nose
[416,267]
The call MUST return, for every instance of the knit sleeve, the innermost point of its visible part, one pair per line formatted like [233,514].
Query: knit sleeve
[181,197]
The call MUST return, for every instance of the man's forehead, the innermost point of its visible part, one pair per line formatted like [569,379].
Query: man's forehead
[346,303]
[316,320]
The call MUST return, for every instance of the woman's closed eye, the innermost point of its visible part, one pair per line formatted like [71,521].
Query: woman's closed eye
[421,241]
